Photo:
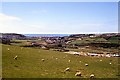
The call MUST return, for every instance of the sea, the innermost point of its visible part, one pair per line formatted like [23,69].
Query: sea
[46,35]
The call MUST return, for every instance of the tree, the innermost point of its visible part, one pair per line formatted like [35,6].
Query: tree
[5,41]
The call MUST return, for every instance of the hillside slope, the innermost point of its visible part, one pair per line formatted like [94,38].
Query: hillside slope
[30,65]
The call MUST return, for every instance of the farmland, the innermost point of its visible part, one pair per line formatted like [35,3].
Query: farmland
[29,64]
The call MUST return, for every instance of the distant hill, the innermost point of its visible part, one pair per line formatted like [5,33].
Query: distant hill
[105,35]
[12,35]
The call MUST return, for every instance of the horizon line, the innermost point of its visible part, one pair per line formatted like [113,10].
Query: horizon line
[61,33]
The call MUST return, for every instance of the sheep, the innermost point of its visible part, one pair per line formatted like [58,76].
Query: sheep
[100,60]
[86,64]
[43,60]
[80,61]
[69,60]
[78,73]
[15,57]
[8,49]
[92,76]
[56,58]
[67,69]
[110,63]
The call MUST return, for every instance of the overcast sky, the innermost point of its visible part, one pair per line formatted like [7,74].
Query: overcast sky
[59,17]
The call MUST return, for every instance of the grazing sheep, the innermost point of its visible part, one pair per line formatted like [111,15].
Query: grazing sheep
[78,74]
[56,58]
[43,59]
[67,69]
[80,61]
[100,60]
[69,60]
[8,49]
[86,64]
[15,57]
[110,63]
[92,76]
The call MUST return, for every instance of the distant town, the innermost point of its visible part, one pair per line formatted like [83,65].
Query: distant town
[95,44]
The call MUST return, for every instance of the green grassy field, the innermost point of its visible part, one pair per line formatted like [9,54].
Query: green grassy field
[115,40]
[29,64]
[0,60]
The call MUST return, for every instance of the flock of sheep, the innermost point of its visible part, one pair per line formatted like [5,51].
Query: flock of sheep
[78,72]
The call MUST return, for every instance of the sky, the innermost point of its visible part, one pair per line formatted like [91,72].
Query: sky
[58,17]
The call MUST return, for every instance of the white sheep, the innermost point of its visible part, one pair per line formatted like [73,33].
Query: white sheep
[100,60]
[8,49]
[15,57]
[92,76]
[86,64]
[43,59]
[56,58]
[69,60]
[110,63]
[78,73]
[67,69]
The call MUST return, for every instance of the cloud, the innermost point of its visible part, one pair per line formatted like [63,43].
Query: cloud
[13,24]
[6,18]
[8,23]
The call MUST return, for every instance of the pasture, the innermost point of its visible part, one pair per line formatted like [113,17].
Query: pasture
[29,64]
